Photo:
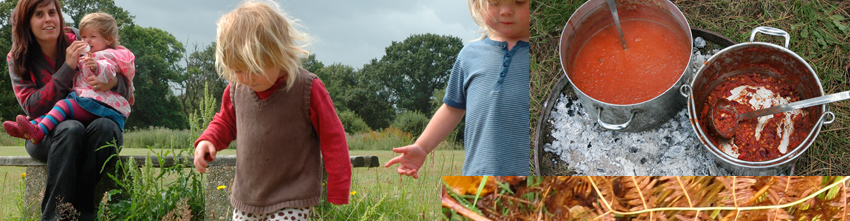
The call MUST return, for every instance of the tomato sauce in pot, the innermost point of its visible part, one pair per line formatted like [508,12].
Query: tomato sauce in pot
[655,59]
[766,137]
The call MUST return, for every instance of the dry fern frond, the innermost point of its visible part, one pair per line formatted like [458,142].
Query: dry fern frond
[738,190]
[638,194]
[842,203]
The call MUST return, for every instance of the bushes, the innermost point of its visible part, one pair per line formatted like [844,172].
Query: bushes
[412,122]
[386,139]
[352,123]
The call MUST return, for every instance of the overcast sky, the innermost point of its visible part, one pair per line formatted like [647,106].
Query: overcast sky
[347,32]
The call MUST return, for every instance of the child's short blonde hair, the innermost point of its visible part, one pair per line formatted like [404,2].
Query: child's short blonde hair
[255,36]
[105,24]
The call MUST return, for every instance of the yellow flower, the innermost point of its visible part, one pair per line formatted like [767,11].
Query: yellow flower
[353,193]
[323,184]
[23,175]
[221,187]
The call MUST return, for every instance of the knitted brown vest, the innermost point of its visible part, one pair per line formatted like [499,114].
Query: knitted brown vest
[278,161]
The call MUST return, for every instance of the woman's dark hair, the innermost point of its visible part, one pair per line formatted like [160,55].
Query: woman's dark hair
[25,49]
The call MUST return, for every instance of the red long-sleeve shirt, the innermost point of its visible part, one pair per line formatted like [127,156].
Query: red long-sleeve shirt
[222,130]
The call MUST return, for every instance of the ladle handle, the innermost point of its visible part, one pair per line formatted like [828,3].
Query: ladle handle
[613,6]
[797,105]
[770,31]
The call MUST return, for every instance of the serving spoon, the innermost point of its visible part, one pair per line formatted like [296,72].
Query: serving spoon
[725,117]
[613,6]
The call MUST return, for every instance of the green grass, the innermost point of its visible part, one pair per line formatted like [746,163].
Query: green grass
[404,198]
[819,33]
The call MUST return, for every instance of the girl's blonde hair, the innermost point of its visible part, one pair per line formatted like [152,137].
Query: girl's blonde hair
[255,36]
[478,9]
[104,23]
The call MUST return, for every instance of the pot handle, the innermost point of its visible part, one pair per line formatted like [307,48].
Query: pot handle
[770,31]
[830,115]
[614,127]
[685,90]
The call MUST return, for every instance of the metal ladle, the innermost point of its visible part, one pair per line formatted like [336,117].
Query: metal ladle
[726,112]
[613,6]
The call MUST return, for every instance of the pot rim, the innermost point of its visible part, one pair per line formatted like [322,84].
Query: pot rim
[786,158]
[672,86]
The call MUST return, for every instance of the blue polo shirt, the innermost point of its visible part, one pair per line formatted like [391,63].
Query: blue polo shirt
[490,82]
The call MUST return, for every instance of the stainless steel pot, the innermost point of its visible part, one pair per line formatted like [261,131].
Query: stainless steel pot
[593,16]
[763,58]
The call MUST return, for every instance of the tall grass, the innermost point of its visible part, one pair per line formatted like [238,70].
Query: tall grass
[6,140]
[391,137]
[153,137]
[382,194]
[148,194]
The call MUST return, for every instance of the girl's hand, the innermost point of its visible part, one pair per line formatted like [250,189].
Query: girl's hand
[204,152]
[100,86]
[72,53]
[411,159]
[90,63]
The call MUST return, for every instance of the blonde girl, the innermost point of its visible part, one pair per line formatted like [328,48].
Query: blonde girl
[280,115]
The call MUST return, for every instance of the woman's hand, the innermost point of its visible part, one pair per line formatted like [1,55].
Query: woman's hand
[204,152]
[72,53]
[100,86]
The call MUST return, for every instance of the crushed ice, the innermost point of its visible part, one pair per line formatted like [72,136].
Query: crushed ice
[671,149]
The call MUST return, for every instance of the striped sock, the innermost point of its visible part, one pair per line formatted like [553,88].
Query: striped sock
[64,109]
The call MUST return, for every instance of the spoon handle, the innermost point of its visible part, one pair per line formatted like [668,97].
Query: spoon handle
[797,105]
[613,6]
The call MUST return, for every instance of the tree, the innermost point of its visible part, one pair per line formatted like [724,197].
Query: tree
[76,9]
[372,101]
[9,107]
[352,90]
[411,70]
[311,64]
[157,53]
[200,70]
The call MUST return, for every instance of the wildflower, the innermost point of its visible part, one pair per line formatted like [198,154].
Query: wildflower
[323,184]
[353,193]
[221,187]
[23,175]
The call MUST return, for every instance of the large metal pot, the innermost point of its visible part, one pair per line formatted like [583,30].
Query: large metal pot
[593,16]
[758,57]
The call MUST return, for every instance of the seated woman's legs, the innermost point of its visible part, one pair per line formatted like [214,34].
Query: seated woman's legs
[100,135]
[62,153]
[74,163]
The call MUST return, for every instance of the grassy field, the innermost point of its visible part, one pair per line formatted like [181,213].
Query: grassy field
[390,195]
[819,33]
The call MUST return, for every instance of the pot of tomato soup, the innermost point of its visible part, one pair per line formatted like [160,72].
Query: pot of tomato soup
[631,89]
[757,75]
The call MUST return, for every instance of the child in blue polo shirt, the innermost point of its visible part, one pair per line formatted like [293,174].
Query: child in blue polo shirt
[488,83]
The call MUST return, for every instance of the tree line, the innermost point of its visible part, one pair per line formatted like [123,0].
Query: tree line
[410,77]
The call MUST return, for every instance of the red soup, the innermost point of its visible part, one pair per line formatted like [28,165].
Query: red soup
[655,58]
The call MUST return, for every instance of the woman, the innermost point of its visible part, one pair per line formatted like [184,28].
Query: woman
[42,64]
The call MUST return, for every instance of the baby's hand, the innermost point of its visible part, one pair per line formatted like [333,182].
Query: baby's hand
[90,62]
[204,152]
[411,159]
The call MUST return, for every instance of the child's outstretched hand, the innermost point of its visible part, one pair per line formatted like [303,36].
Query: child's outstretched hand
[411,159]
[204,152]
